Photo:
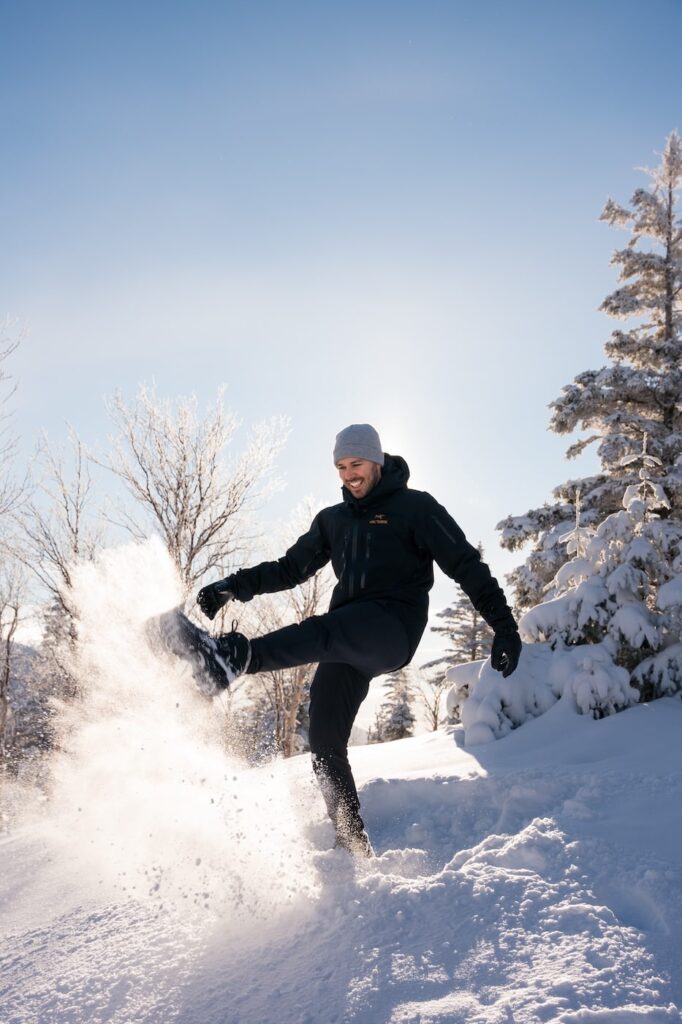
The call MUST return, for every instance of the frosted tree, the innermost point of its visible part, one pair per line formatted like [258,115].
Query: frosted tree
[469,638]
[11,584]
[176,466]
[57,525]
[639,393]
[10,610]
[396,713]
[279,699]
[27,696]
[432,686]
[616,603]
[56,529]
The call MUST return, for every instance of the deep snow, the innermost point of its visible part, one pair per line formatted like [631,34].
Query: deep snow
[536,878]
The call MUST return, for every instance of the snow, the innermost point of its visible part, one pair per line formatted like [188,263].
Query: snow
[537,878]
[621,588]
[670,594]
[664,670]
[583,676]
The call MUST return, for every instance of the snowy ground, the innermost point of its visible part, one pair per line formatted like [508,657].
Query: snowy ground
[536,878]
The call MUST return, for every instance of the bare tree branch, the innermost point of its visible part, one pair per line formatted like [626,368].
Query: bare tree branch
[282,694]
[10,609]
[430,692]
[55,532]
[174,465]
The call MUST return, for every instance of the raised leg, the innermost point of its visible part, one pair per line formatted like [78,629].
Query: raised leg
[363,635]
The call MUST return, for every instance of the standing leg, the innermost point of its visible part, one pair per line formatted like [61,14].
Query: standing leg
[336,693]
[351,644]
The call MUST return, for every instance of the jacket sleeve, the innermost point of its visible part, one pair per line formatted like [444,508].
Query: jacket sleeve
[444,539]
[303,559]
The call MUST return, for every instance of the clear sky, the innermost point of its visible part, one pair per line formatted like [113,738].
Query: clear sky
[343,211]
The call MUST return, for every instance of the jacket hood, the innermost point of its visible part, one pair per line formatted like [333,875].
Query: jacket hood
[394,476]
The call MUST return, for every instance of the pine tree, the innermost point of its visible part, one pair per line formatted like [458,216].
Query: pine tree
[468,634]
[641,393]
[620,593]
[375,733]
[396,713]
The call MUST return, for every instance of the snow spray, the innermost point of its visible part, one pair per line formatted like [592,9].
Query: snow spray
[144,796]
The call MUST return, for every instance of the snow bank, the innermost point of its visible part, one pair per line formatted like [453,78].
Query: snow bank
[534,880]
[539,879]
[490,706]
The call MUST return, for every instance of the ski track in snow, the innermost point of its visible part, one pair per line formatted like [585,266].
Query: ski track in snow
[534,879]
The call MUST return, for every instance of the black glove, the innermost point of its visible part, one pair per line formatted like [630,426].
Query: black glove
[506,652]
[212,598]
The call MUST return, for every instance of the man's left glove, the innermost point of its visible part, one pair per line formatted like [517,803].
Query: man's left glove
[506,652]
[212,598]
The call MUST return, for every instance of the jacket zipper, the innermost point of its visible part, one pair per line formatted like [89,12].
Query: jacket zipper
[353,558]
[364,575]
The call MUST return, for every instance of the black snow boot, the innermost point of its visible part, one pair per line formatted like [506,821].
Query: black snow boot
[233,653]
[357,843]
[215,661]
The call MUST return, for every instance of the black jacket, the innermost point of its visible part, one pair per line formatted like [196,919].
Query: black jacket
[382,548]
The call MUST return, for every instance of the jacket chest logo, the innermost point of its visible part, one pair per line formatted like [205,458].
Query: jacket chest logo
[379,520]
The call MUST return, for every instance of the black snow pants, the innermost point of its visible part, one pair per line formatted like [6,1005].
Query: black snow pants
[352,644]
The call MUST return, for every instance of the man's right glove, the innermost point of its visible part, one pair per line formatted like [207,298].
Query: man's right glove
[506,652]
[212,598]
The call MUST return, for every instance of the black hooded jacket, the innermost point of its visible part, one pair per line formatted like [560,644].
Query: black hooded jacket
[382,548]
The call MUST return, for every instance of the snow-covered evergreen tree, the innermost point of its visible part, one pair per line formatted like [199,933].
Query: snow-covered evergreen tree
[468,635]
[396,713]
[620,593]
[640,393]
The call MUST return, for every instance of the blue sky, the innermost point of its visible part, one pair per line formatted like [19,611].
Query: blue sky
[342,211]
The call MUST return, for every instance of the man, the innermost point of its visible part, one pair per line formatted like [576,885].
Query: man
[382,540]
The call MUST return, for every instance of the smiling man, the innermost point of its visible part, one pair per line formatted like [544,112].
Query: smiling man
[382,540]
[359,475]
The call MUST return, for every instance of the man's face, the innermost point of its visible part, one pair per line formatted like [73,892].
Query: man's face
[358,475]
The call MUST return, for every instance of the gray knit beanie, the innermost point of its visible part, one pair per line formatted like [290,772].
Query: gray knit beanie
[359,441]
